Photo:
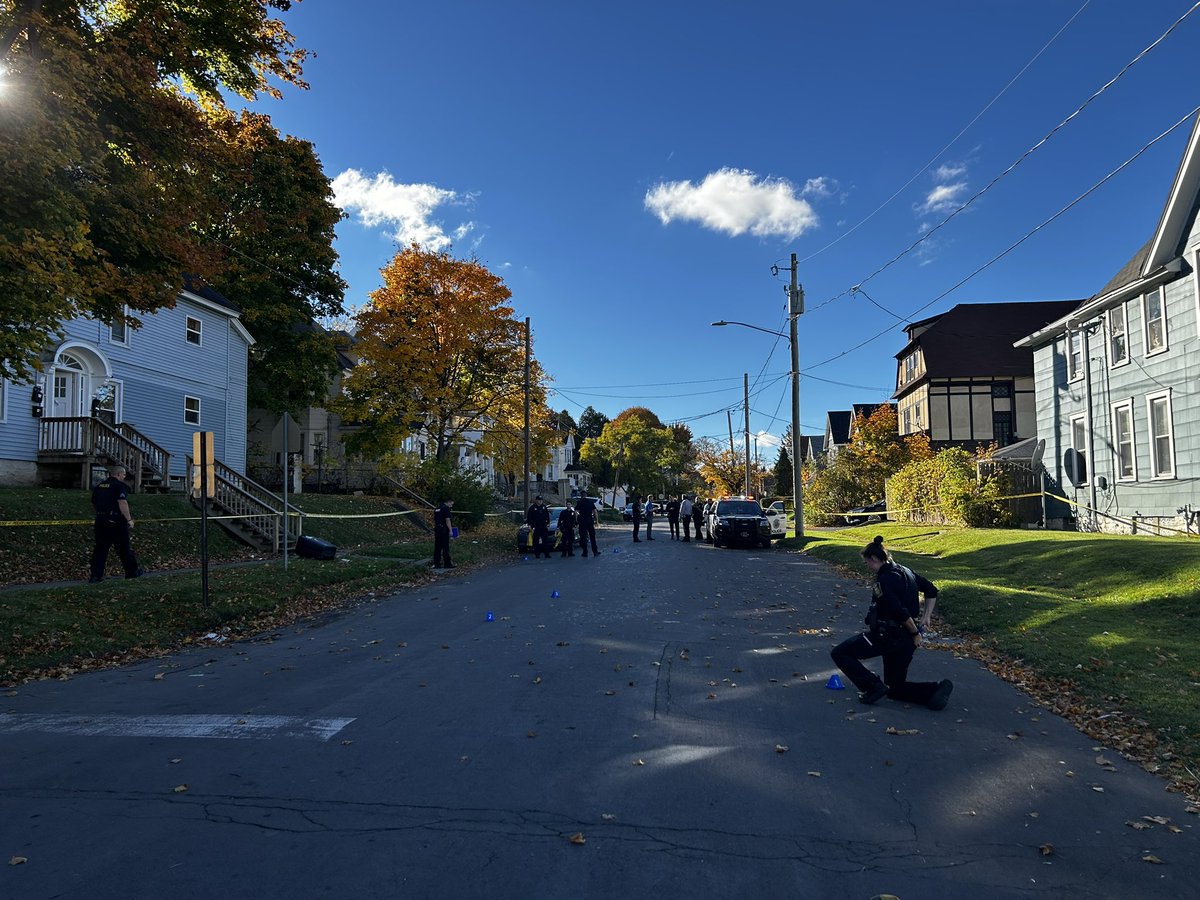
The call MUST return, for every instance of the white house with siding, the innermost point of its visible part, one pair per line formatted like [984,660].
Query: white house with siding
[1118,382]
[116,394]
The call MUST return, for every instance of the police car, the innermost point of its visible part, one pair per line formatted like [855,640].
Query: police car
[777,516]
[738,520]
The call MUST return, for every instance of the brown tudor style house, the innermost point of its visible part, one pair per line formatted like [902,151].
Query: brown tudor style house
[959,379]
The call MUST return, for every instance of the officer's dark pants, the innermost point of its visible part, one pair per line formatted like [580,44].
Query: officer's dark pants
[541,541]
[441,547]
[112,531]
[587,532]
[568,542]
[699,517]
[897,648]
[687,528]
[674,523]
[637,528]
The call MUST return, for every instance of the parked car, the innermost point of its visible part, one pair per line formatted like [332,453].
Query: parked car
[777,516]
[627,512]
[739,520]
[523,531]
[873,512]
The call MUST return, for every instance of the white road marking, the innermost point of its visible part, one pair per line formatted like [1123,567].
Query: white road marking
[182,726]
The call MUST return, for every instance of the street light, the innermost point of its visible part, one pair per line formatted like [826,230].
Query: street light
[797,481]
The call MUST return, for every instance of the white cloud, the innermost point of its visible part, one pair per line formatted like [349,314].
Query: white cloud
[407,209]
[734,201]
[944,198]
[766,439]
[949,171]
[820,187]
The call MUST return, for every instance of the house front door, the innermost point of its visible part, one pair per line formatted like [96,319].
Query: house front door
[1002,428]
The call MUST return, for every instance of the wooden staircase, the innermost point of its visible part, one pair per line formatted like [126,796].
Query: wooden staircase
[71,444]
[248,511]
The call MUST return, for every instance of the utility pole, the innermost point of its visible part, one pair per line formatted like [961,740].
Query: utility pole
[746,393]
[795,308]
[527,453]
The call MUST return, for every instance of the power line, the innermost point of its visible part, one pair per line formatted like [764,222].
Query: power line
[951,142]
[1003,253]
[930,232]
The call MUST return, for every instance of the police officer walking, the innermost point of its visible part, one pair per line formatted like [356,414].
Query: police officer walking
[441,535]
[538,520]
[587,515]
[892,633]
[114,525]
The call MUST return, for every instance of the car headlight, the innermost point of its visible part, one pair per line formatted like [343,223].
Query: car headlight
[766,522]
[722,520]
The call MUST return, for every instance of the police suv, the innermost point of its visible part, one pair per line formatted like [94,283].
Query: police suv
[738,520]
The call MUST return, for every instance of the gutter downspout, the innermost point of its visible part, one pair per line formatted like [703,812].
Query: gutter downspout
[1087,388]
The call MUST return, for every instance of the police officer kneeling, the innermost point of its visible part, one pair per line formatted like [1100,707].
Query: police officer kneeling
[114,522]
[893,634]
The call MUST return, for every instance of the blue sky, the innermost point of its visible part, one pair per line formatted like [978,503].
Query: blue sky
[634,170]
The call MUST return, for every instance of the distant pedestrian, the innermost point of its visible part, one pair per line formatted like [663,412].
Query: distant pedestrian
[651,511]
[698,516]
[893,633]
[586,517]
[635,510]
[673,517]
[114,525]
[685,517]
[442,526]
[566,528]
[538,519]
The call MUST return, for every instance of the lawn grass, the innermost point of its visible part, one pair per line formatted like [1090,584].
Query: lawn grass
[1105,617]
[58,630]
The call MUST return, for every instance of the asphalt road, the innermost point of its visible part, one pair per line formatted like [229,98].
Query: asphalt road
[448,741]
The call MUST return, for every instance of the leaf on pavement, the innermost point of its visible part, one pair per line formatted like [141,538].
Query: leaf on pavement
[815,774]
[610,693]
[1157,820]
[577,838]
[1046,849]
[781,748]
[537,679]
[608,817]
[1151,858]
[639,762]
[1139,826]
[891,729]
[712,696]
[18,860]
[180,788]
[159,676]
[531,734]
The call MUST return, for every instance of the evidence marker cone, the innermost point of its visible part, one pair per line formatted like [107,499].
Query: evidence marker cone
[554,595]
[835,683]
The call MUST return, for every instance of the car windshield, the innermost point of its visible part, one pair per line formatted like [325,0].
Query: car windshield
[739,508]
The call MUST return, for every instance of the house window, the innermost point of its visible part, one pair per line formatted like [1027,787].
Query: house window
[1002,389]
[1162,437]
[1077,458]
[191,410]
[1126,461]
[910,367]
[1118,340]
[1075,355]
[1155,322]
[192,330]
[1002,428]
[907,420]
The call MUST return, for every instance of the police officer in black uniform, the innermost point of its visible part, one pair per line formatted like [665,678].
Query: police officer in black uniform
[441,535]
[538,520]
[586,515]
[892,633]
[566,525]
[114,525]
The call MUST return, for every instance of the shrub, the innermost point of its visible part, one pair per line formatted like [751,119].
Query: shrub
[436,481]
[946,489]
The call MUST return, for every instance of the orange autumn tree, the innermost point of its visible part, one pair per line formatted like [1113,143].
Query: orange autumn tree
[439,349]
